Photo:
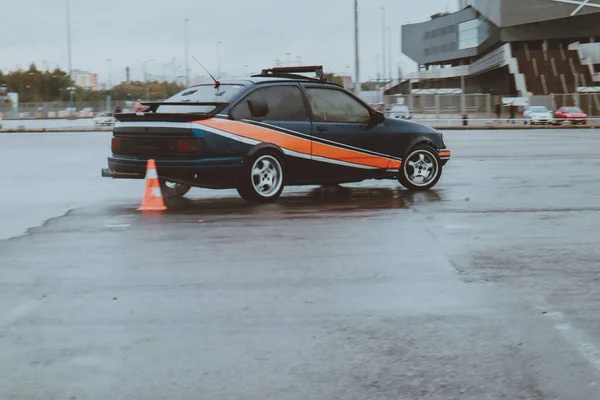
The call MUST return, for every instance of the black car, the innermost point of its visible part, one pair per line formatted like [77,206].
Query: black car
[273,129]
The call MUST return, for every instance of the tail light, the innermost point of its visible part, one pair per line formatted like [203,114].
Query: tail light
[115,144]
[190,145]
[183,146]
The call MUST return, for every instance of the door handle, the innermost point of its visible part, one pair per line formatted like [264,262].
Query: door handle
[321,128]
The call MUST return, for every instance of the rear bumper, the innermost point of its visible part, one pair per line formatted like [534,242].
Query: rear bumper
[222,171]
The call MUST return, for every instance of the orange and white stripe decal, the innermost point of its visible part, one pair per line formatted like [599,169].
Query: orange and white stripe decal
[304,146]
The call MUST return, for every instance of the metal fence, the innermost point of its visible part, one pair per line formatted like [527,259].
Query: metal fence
[58,109]
[483,105]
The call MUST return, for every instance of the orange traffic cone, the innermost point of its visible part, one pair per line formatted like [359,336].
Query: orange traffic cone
[153,199]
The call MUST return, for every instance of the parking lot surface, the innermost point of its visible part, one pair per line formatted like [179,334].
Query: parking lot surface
[485,287]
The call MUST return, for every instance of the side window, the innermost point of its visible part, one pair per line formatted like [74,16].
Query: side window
[272,103]
[330,105]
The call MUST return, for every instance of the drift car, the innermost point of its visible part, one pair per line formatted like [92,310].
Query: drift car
[273,129]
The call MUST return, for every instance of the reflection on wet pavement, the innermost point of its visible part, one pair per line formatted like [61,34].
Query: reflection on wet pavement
[324,199]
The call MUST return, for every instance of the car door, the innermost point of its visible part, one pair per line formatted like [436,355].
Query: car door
[277,114]
[349,141]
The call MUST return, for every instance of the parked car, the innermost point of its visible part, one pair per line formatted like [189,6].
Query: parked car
[399,111]
[377,106]
[272,130]
[573,115]
[537,115]
[105,119]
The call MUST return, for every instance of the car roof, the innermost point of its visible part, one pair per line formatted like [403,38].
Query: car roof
[266,79]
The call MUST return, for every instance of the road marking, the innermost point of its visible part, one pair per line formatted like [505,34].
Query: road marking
[576,338]
[118,226]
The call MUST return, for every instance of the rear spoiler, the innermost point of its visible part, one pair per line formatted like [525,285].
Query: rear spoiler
[150,114]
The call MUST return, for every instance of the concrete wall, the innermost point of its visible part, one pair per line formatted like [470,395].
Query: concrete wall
[583,26]
[504,13]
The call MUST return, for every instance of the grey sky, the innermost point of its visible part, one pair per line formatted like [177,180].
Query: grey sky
[252,32]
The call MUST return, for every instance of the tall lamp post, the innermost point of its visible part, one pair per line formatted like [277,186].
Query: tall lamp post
[146,79]
[68,17]
[187,65]
[219,59]
[356,55]
[108,82]
[384,48]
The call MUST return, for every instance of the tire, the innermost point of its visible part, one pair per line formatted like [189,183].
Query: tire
[173,189]
[425,157]
[263,177]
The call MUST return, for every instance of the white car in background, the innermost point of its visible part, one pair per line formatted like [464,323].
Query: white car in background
[0,122]
[538,115]
[399,111]
[105,119]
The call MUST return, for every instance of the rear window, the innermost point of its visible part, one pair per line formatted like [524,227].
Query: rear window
[573,110]
[201,94]
[538,109]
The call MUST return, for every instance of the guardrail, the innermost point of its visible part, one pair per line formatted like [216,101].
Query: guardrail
[493,123]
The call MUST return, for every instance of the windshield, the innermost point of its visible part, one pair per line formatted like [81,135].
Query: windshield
[399,107]
[201,94]
[538,109]
[573,110]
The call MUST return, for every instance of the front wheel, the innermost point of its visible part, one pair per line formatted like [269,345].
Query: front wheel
[421,170]
[263,178]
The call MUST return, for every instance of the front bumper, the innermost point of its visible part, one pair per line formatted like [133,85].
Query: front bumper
[539,120]
[444,156]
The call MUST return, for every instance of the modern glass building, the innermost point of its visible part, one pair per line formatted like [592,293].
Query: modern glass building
[507,47]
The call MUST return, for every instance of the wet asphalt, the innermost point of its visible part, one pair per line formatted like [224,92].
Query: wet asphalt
[484,288]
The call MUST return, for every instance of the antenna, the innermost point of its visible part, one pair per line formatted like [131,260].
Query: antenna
[217,83]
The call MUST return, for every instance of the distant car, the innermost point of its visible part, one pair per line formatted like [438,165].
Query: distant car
[399,111]
[105,119]
[0,122]
[537,115]
[574,115]
[377,106]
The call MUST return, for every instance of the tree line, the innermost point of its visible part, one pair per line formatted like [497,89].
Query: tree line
[34,85]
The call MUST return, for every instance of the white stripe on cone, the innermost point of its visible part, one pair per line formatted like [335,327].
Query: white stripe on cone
[156,192]
[151,174]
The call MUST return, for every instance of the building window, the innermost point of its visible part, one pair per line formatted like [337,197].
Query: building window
[472,33]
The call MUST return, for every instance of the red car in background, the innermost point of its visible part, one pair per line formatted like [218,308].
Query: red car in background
[572,114]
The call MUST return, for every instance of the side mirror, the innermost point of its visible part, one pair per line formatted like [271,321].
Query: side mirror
[258,107]
[377,118]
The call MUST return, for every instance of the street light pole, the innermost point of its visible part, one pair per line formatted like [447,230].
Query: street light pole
[146,80]
[187,66]
[390,57]
[384,64]
[108,82]
[219,59]
[356,55]
[68,17]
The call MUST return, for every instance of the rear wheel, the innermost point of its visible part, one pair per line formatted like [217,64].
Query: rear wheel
[263,178]
[421,169]
[173,189]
